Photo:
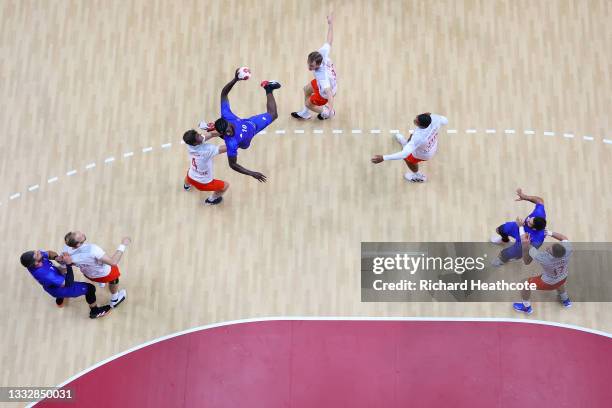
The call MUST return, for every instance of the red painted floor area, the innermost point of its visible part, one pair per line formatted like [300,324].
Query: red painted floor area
[359,364]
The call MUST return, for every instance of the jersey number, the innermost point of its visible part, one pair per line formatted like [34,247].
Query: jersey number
[193,163]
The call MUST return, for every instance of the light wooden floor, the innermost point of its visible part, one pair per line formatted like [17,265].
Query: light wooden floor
[84,81]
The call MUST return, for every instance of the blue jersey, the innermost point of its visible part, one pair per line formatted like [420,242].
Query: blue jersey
[537,237]
[244,131]
[47,274]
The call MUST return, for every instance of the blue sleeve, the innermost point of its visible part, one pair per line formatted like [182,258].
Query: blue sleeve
[56,278]
[538,211]
[226,112]
[45,255]
[232,147]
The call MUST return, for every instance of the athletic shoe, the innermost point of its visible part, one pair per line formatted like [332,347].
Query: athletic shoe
[399,138]
[566,303]
[186,187]
[96,312]
[496,239]
[270,85]
[216,201]
[421,176]
[520,307]
[332,113]
[497,262]
[60,302]
[298,117]
[121,298]
[414,177]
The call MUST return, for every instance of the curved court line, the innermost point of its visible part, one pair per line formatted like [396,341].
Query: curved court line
[317,318]
[165,146]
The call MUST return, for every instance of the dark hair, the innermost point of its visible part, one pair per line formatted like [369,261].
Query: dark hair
[539,223]
[190,137]
[558,250]
[221,125]
[424,120]
[316,57]
[70,240]
[27,259]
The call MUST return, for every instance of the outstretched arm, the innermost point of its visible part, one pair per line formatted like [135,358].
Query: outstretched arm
[228,87]
[533,199]
[330,28]
[233,163]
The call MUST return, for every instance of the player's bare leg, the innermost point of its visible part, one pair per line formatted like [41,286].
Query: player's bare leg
[220,193]
[270,86]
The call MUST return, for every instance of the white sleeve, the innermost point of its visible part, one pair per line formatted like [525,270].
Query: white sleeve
[211,150]
[324,50]
[406,151]
[97,252]
[441,119]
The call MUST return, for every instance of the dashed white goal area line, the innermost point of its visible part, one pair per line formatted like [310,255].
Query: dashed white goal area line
[356,131]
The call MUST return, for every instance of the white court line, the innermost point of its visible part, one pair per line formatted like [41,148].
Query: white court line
[263,132]
[509,131]
[490,131]
[336,131]
[71,173]
[568,135]
[451,131]
[332,318]
[14,196]
[394,131]
[356,131]
[90,166]
[182,142]
[588,138]
[280,132]
[607,141]
[549,133]
[147,149]
[530,132]
[166,145]
[318,131]
[52,180]
[34,187]
[375,131]
[109,160]
[470,131]
[300,131]
[128,154]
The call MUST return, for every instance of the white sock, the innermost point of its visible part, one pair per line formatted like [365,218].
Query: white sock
[564,295]
[526,303]
[304,112]
[115,296]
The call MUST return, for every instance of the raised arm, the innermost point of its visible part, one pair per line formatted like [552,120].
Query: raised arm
[233,163]
[330,28]
[114,260]
[525,197]
[228,87]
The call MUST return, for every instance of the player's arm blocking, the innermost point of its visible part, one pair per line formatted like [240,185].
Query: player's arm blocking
[114,260]
[233,163]
[533,199]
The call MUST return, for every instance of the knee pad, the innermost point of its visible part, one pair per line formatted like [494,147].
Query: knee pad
[90,295]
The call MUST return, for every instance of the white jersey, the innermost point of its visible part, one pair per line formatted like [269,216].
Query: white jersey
[201,158]
[555,269]
[87,259]
[326,73]
[424,142]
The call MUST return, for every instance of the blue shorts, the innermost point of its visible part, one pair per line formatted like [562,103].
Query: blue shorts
[75,290]
[260,121]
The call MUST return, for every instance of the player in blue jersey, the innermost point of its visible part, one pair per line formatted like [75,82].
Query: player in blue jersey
[238,133]
[58,284]
[534,225]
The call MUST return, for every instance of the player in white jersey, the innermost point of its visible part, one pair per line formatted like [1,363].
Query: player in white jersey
[421,146]
[320,92]
[95,264]
[200,173]
[554,261]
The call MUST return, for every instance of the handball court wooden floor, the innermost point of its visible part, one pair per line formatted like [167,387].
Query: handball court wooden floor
[85,81]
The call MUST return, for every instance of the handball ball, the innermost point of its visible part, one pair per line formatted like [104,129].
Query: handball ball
[244,73]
